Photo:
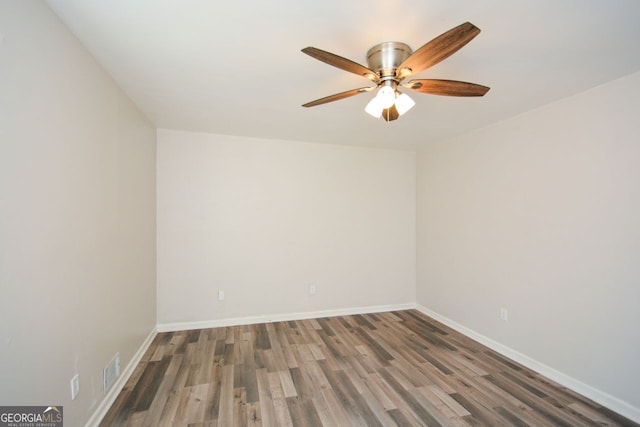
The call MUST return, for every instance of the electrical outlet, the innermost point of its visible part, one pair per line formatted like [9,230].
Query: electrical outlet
[504,314]
[75,386]
[220,295]
[312,289]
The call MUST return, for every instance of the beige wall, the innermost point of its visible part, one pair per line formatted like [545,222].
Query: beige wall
[77,217]
[540,214]
[262,220]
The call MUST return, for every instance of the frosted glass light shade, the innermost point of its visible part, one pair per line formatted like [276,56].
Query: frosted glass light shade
[387,96]
[374,107]
[404,103]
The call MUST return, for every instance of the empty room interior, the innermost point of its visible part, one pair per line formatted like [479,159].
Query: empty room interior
[188,238]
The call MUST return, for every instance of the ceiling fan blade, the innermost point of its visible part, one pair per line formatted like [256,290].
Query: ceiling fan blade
[338,96]
[340,62]
[446,87]
[438,49]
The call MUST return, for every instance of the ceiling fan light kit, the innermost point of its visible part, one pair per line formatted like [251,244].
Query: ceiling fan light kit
[389,63]
[385,99]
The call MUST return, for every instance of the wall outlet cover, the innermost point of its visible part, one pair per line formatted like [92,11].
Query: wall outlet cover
[75,386]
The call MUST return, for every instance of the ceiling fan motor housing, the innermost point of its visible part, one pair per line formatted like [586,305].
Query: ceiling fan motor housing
[385,58]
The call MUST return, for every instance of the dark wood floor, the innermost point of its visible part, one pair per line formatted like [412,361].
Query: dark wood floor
[386,369]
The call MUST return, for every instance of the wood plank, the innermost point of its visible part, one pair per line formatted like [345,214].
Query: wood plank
[280,407]
[212,407]
[416,408]
[254,415]
[171,407]
[590,413]
[288,387]
[164,391]
[196,403]
[451,403]
[381,415]
[264,399]
[225,413]
[440,412]
[239,411]
[305,397]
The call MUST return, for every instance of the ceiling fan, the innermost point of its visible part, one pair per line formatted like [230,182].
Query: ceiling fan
[389,63]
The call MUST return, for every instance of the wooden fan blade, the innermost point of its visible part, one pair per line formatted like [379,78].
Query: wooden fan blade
[438,49]
[338,96]
[446,87]
[340,62]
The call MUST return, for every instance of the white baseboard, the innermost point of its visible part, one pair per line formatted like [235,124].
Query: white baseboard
[113,392]
[236,321]
[621,407]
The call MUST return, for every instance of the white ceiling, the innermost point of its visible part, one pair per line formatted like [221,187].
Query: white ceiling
[235,67]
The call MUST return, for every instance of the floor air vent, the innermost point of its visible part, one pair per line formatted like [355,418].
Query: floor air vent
[111,372]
